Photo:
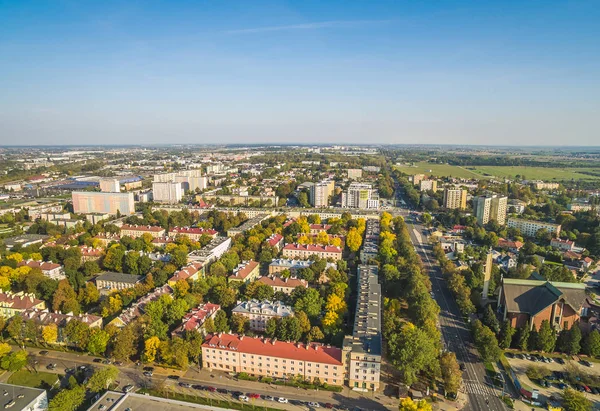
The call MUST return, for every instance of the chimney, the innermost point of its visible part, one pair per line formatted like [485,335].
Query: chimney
[241,337]
[274,340]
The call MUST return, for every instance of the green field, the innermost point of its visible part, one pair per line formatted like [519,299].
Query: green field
[530,173]
[35,380]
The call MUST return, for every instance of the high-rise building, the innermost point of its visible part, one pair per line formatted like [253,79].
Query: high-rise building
[167,192]
[455,199]
[110,185]
[428,185]
[320,193]
[86,202]
[360,196]
[354,173]
[190,180]
[490,207]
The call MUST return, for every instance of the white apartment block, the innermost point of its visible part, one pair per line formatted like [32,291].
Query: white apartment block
[259,312]
[169,192]
[491,207]
[428,185]
[360,196]
[320,192]
[110,185]
[530,227]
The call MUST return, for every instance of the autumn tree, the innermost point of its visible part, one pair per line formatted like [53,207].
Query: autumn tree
[353,240]
[151,346]
[50,333]
[451,374]
[98,341]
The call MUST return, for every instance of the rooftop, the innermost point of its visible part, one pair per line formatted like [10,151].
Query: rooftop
[23,397]
[119,277]
[313,247]
[532,296]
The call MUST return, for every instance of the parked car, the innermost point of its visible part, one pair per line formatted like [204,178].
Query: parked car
[237,393]
[462,367]
[50,366]
[329,406]
[173,377]
[269,398]
[254,396]
[97,359]
[211,389]
[595,390]
[559,360]
[148,373]
[587,363]
[107,361]
[185,385]
[222,390]
[118,363]
[282,400]
[243,398]
[197,387]
[586,388]
[128,388]
[44,352]
[314,404]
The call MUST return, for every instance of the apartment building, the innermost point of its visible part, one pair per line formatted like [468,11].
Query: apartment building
[275,240]
[88,202]
[194,233]
[530,227]
[417,178]
[278,265]
[428,185]
[15,303]
[192,272]
[304,251]
[259,312]
[246,272]
[317,228]
[490,207]
[360,195]
[109,281]
[285,285]
[270,357]
[36,210]
[370,248]
[49,269]
[247,225]
[194,319]
[363,350]
[540,185]
[110,185]
[45,317]
[320,193]
[136,231]
[170,192]
[212,251]
[563,245]
[455,199]
[136,309]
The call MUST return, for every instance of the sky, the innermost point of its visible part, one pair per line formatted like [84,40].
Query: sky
[505,72]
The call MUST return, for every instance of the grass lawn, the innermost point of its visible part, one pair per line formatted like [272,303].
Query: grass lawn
[35,380]
[531,173]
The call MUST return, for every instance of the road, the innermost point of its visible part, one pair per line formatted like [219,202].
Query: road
[456,335]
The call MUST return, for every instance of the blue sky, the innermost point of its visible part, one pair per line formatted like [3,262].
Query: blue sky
[481,72]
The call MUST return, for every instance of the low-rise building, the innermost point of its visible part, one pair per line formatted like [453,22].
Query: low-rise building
[136,309]
[275,241]
[16,303]
[192,271]
[259,312]
[49,269]
[194,233]
[270,357]
[563,245]
[246,272]
[279,265]
[212,251]
[304,251]
[90,253]
[317,228]
[285,285]
[529,228]
[45,317]
[195,319]
[136,231]
[109,281]
[19,398]
[247,225]
[24,240]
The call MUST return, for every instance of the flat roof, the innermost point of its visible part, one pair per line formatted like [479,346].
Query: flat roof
[117,401]
[29,395]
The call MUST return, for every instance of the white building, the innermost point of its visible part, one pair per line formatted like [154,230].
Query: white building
[259,312]
[354,173]
[110,185]
[167,192]
[360,196]
[530,227]
[490,207]
[320,193]
[19,398]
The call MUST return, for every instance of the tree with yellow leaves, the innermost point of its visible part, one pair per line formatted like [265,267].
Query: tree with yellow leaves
[303,239]
[335,303]
[151,346]
[18,257]
[36,256]
[181,288]
[386,219]
[115,304]
[353,240]
[50,333]
[4,349]
[330,320]
[407,404]
[322,238]
[4,283]
[336,242]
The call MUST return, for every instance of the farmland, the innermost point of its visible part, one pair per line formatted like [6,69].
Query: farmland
[530,173]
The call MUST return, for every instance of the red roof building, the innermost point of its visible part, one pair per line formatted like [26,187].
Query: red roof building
[49,269]
[270,357]
[304,251]
[317,228]
[136,231]
[190,272]
[246,272]
[285,285]
[194,319]
[90,253]
[193,233]
[275,240]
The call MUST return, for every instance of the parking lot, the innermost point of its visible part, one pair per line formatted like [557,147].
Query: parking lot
[570,373]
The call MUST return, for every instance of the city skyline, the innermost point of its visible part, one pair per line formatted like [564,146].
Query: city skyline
[289,72]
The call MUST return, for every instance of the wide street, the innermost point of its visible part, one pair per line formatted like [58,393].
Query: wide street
[456,336]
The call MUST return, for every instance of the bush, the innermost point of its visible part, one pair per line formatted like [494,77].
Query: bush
[535,372]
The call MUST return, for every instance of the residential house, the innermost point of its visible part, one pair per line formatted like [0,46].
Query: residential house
[136,231]
[15,303]
[285,285]
[194,233]
[259,312]
[275,241]
[304,251]
[49,269]
[109,281]
[136,309]
[195,319]
[246,272]
[192,271]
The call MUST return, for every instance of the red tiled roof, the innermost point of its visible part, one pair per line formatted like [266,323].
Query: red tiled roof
[322,227]
[274,239]
[18,301]
[148,228]
[314,352]
[186,272]
[196,317]
[292,282]
[42,265]
[89,251]
[192,230]
[313,247]
[244,271]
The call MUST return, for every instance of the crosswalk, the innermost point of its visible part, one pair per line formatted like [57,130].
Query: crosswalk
[473,387]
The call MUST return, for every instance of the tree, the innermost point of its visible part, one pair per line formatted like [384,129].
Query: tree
[573,342]
[315,334]
[68,400]
[486,342]
[523,338]
[412,351]
[130,262]
[180,352]
[407,404]
[308,300]
[353,240]
[535,372]
[89,294]
[181,288]
[490,319]
[218,269]
[271,327]
[546,337]
[451,373]
[239,323]
[506,334]
[15,327]
[65,298]
[101,378]
[4,349]
[209,326]
[113,260]
[575,401]
[14,361]
[221,325]
[50,333]
[303,322]
[124,346]
[77,333]
[591,344]
[98,341]
[150,349]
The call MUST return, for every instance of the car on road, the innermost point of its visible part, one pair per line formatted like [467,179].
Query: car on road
[118,363]
[314,404]
[97,360]
[587,363]
[198,387]
[82,367]
[107,361]
[51,366]
[243,398]
[462,366]
[128,388]
[173,377]
[101,407]
[329,406]
[44,352]
[282,400]
[211,389]
[148,373]
[296,402]
[148,368]
[222,391]
[269,398]
[559,360]
[587,389]
[185,385]
[253,395]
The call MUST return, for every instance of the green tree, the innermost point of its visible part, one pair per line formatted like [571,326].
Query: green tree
[308,300]
[102,378]
[271,327]
[486,342]
[490,319]
[98,341]
[68,400]
[220,320]
[506,334]
[451,373]
[523,338]
[315,334]
[591,344]
[239,323]
[546,337]
[412,351]
[15,328]
[573,343]
[14,361]
[575,401]
[209,326]
[124,346]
